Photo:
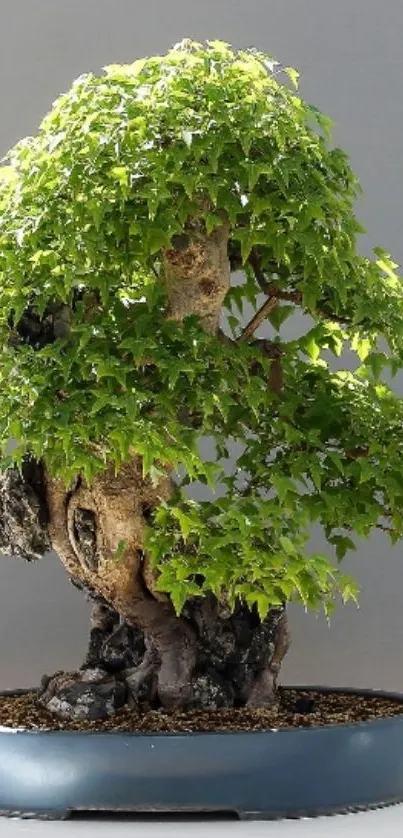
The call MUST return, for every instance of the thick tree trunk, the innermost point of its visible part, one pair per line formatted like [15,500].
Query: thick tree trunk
[86,527]
[139,648]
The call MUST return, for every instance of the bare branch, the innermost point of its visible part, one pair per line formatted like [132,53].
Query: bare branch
[254,261]
[258,319]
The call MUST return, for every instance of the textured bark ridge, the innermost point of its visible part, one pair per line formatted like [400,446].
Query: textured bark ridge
[139,649]
[196,273]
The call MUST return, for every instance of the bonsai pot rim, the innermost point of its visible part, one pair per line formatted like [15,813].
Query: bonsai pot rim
[305,772]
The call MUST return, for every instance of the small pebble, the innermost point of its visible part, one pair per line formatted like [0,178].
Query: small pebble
[304,705]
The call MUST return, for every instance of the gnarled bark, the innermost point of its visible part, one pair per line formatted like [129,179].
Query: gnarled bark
[115,505]
[23,511]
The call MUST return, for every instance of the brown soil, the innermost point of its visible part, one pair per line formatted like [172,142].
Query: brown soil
[299,708]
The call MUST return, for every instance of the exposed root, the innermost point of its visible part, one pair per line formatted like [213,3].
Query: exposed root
[142,681]
[263,689]
[177,664]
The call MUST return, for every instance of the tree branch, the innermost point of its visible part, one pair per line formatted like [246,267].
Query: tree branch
[385,529]
[258,319]
[295,297]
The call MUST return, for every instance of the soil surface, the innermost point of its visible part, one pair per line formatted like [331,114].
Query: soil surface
[297,708]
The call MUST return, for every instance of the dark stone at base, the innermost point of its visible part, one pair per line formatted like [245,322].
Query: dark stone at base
[87,694]
[123,649]
[211,692]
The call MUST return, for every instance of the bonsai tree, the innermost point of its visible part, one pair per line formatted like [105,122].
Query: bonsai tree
[125,345]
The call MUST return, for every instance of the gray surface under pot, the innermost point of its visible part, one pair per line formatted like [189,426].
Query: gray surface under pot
[260,774]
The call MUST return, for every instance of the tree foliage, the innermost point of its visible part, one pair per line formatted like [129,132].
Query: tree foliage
[87,208]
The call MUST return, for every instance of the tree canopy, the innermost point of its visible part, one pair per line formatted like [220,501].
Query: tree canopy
[87,208]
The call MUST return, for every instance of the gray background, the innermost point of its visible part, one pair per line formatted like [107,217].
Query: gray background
[350,56]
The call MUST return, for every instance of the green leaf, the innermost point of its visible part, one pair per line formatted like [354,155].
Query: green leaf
[311,348]
[279,315]
[8,174]
[236,295]
[178,596]
[247,243]
[263,604]
[157,239]
[102,400]
[293,75]
[189,185]
[212,222]
[349,589]
[362,346]
[287,545]
[329,607]
[343,544]
[148,461]
[255,171]
[120,174]
[323,121]
[366,470]
[337,461]
[376,361]
[186,524]
[283,486]
[385,263]
[233,323]
[316,474]
[212,473]
[310,295]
